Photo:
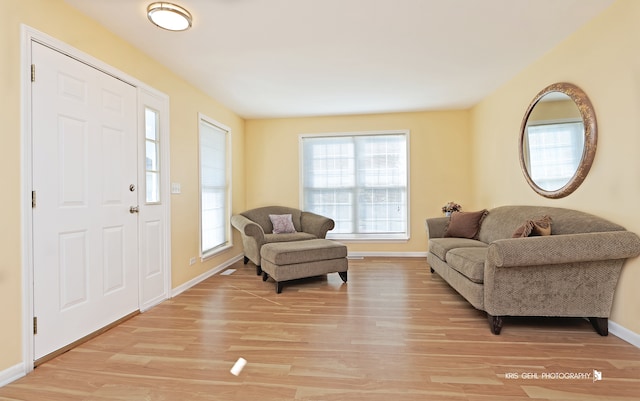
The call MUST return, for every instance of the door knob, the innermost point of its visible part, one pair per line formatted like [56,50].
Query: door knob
[134,209]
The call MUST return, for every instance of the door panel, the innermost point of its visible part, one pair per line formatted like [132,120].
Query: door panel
[114,262]
[73,158]
[73,269]
[85,241]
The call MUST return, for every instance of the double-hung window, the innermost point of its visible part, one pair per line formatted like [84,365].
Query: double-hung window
[214,187]
[554,152]
[360,180]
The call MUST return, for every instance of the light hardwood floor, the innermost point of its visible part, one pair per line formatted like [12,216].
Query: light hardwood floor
[394,332]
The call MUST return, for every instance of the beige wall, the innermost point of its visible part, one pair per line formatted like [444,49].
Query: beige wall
[57,19]
[603,59]
[439,163]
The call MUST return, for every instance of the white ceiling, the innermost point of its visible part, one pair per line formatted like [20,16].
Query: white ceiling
[286,58]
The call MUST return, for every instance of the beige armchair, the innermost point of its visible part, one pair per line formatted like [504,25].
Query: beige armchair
[256,229]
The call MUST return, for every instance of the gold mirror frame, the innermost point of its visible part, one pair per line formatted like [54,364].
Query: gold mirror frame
[590,138]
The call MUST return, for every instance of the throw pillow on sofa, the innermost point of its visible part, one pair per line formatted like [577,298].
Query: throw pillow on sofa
[539,227]
[465,224]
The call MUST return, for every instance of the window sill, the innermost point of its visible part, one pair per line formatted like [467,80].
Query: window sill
[215,251]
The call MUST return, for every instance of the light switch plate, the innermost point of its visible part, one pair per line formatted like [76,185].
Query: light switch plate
[175,188]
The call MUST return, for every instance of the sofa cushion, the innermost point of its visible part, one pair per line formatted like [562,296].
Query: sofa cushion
[468,262]
[465,224]
[540,226]
[440,246]
[282,223]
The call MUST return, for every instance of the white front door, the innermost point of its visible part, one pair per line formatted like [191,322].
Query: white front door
[84,177]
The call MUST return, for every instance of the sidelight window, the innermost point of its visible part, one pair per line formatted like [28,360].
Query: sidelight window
[152,155]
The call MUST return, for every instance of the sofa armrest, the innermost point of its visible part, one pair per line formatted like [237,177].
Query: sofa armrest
[315,224]
[248,227]
[436,226]
[559,249]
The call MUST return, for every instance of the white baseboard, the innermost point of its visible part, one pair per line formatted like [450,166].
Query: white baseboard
[624,333]
[11,374]
[196,280]
[360,255]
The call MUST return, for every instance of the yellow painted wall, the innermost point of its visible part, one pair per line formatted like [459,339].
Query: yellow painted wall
[57,19]
[603,58]
[470,157]
[439,163]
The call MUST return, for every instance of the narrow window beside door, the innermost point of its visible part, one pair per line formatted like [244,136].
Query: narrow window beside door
[152,155]
[214,187]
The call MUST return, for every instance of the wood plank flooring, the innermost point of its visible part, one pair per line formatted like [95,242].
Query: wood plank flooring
[393,332]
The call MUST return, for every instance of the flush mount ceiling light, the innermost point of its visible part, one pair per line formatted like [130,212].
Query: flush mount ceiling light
[169,16]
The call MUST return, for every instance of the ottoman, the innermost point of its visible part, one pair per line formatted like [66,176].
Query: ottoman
[284,261]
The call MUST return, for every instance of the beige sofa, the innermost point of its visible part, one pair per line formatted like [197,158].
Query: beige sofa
[256,229]
[571,273]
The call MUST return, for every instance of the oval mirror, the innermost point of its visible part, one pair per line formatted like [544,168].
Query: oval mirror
[558,138]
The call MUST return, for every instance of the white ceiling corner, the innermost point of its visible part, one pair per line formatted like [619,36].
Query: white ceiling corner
[288,58]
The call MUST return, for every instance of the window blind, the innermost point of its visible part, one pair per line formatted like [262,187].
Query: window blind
[360,181]
[213,187]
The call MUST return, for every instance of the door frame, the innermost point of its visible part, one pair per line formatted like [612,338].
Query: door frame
[29,35]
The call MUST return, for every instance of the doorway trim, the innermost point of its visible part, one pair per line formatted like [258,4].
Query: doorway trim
[29,35]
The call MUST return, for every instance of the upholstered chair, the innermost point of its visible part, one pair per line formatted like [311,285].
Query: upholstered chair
[256,228]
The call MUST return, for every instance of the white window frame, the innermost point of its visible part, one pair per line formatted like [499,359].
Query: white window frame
[363,237]
[228,242]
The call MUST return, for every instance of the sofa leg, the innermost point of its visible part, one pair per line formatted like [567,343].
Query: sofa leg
[343,276]
[495,323]
[265,276]
[278,287]
[258,270]
[601,324]
[246,260]
[432,271]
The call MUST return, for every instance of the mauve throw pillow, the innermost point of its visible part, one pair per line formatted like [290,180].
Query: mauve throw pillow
[282,223]
[465,224]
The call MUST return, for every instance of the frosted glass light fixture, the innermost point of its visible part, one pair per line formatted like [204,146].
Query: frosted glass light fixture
[169,16]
